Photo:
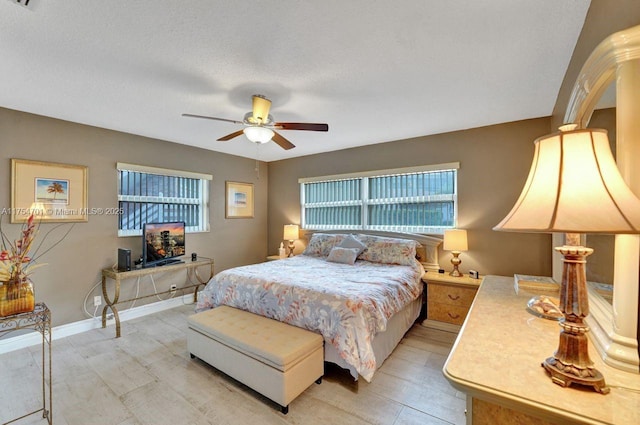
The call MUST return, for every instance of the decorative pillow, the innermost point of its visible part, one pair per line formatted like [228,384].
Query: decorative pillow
[351,242]
[388,250]
[343,255]
[321,244]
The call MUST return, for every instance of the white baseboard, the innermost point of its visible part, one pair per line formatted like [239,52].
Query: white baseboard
[34,338]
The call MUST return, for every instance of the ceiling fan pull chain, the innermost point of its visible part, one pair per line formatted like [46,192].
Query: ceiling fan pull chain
[257,169]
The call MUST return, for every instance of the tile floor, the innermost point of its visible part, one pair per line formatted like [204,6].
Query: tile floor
[147,377]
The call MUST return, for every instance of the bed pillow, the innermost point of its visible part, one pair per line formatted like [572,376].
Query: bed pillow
[350,241]
[321,244]
[388,250]
[343,255]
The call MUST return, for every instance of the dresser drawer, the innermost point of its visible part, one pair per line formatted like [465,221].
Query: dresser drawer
[447,313]
[438,293]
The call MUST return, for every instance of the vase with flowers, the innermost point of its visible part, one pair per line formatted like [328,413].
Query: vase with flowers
[16,266]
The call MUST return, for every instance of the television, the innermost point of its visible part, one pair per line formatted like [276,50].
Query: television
[162,243]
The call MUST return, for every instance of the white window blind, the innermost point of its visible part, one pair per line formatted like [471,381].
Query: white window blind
[157,195]
[411,200]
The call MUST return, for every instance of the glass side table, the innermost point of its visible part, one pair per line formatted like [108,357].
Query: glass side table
[39,320]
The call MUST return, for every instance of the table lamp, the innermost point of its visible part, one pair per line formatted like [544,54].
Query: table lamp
[574,187]
[290,234]
[455,240]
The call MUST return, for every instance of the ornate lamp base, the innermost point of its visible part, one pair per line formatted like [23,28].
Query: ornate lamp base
[570,363]
[564,376]
[456,262]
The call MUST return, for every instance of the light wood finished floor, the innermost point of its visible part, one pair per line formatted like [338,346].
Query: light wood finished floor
[147,377]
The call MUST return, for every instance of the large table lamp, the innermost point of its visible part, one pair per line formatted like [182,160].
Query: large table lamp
[291,233]
[455,240]
[574,187]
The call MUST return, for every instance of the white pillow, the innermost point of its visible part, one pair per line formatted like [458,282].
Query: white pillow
[351,242]
[343,255]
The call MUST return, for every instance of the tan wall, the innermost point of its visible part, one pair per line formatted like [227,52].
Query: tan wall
[494,163]
[74,265]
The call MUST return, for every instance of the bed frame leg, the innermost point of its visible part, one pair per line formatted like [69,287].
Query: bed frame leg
[319,380]
[284,409]
[192,356]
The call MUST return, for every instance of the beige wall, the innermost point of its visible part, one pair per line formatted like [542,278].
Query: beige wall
[74,265]
[494,163]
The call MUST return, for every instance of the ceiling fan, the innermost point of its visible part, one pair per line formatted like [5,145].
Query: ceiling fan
[259,125]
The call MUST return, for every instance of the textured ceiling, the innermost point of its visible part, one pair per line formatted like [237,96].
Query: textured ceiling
[375,71]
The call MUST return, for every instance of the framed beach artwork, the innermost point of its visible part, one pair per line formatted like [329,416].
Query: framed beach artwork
[239,200]
[52,192]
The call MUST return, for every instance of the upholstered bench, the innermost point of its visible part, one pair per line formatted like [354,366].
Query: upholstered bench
[275,359]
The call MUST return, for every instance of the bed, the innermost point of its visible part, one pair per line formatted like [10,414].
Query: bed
[361,292]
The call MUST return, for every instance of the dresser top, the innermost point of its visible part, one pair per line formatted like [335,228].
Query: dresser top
[446,278]
[497,358]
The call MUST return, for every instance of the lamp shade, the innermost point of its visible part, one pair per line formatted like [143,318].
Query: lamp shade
[290,232]
[258,134]
[574,186]
[455,240]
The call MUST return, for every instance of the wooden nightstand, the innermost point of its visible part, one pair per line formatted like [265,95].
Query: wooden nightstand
[448,300]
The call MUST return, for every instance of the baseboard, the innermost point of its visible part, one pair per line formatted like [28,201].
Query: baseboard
[33,338]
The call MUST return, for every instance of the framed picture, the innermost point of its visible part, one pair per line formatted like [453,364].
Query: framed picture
[239,200]
[53,192]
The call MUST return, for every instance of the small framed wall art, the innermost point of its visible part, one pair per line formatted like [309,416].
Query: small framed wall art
[239,200]
[52,192]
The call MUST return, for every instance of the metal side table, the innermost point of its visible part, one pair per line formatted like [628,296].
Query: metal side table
[39,320]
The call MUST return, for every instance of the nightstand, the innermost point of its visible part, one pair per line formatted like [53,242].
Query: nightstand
[273,257]
[448,300]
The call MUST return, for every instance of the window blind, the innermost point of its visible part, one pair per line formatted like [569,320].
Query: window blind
[412,201]
[157,196]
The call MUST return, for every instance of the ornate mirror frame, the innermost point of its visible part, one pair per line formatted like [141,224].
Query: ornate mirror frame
[614,327]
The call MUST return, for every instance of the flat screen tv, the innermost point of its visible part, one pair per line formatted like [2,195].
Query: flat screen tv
[162,243]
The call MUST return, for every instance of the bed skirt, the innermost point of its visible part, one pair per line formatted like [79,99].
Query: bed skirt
[384,342]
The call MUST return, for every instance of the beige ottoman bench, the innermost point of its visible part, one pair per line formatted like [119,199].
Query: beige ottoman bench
[275,359]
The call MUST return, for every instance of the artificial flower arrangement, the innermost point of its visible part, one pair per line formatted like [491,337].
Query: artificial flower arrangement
[16,267]
[15,263]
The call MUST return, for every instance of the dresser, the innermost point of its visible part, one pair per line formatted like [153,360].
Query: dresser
[448,300]
[496,362]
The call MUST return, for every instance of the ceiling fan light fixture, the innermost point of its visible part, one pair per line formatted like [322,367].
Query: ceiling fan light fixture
[258,134]
[259,124]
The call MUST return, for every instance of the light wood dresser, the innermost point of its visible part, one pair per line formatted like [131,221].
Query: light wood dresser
[448,300]
[496,361]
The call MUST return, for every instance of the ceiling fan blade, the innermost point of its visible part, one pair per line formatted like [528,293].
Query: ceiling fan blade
[261,106]
[230,136]
[301,126]
[211,118]
[282,142]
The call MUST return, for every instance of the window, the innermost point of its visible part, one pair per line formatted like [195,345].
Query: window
[410,200]
[156,195]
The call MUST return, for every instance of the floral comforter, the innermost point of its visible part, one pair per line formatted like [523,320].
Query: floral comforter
[347,304]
